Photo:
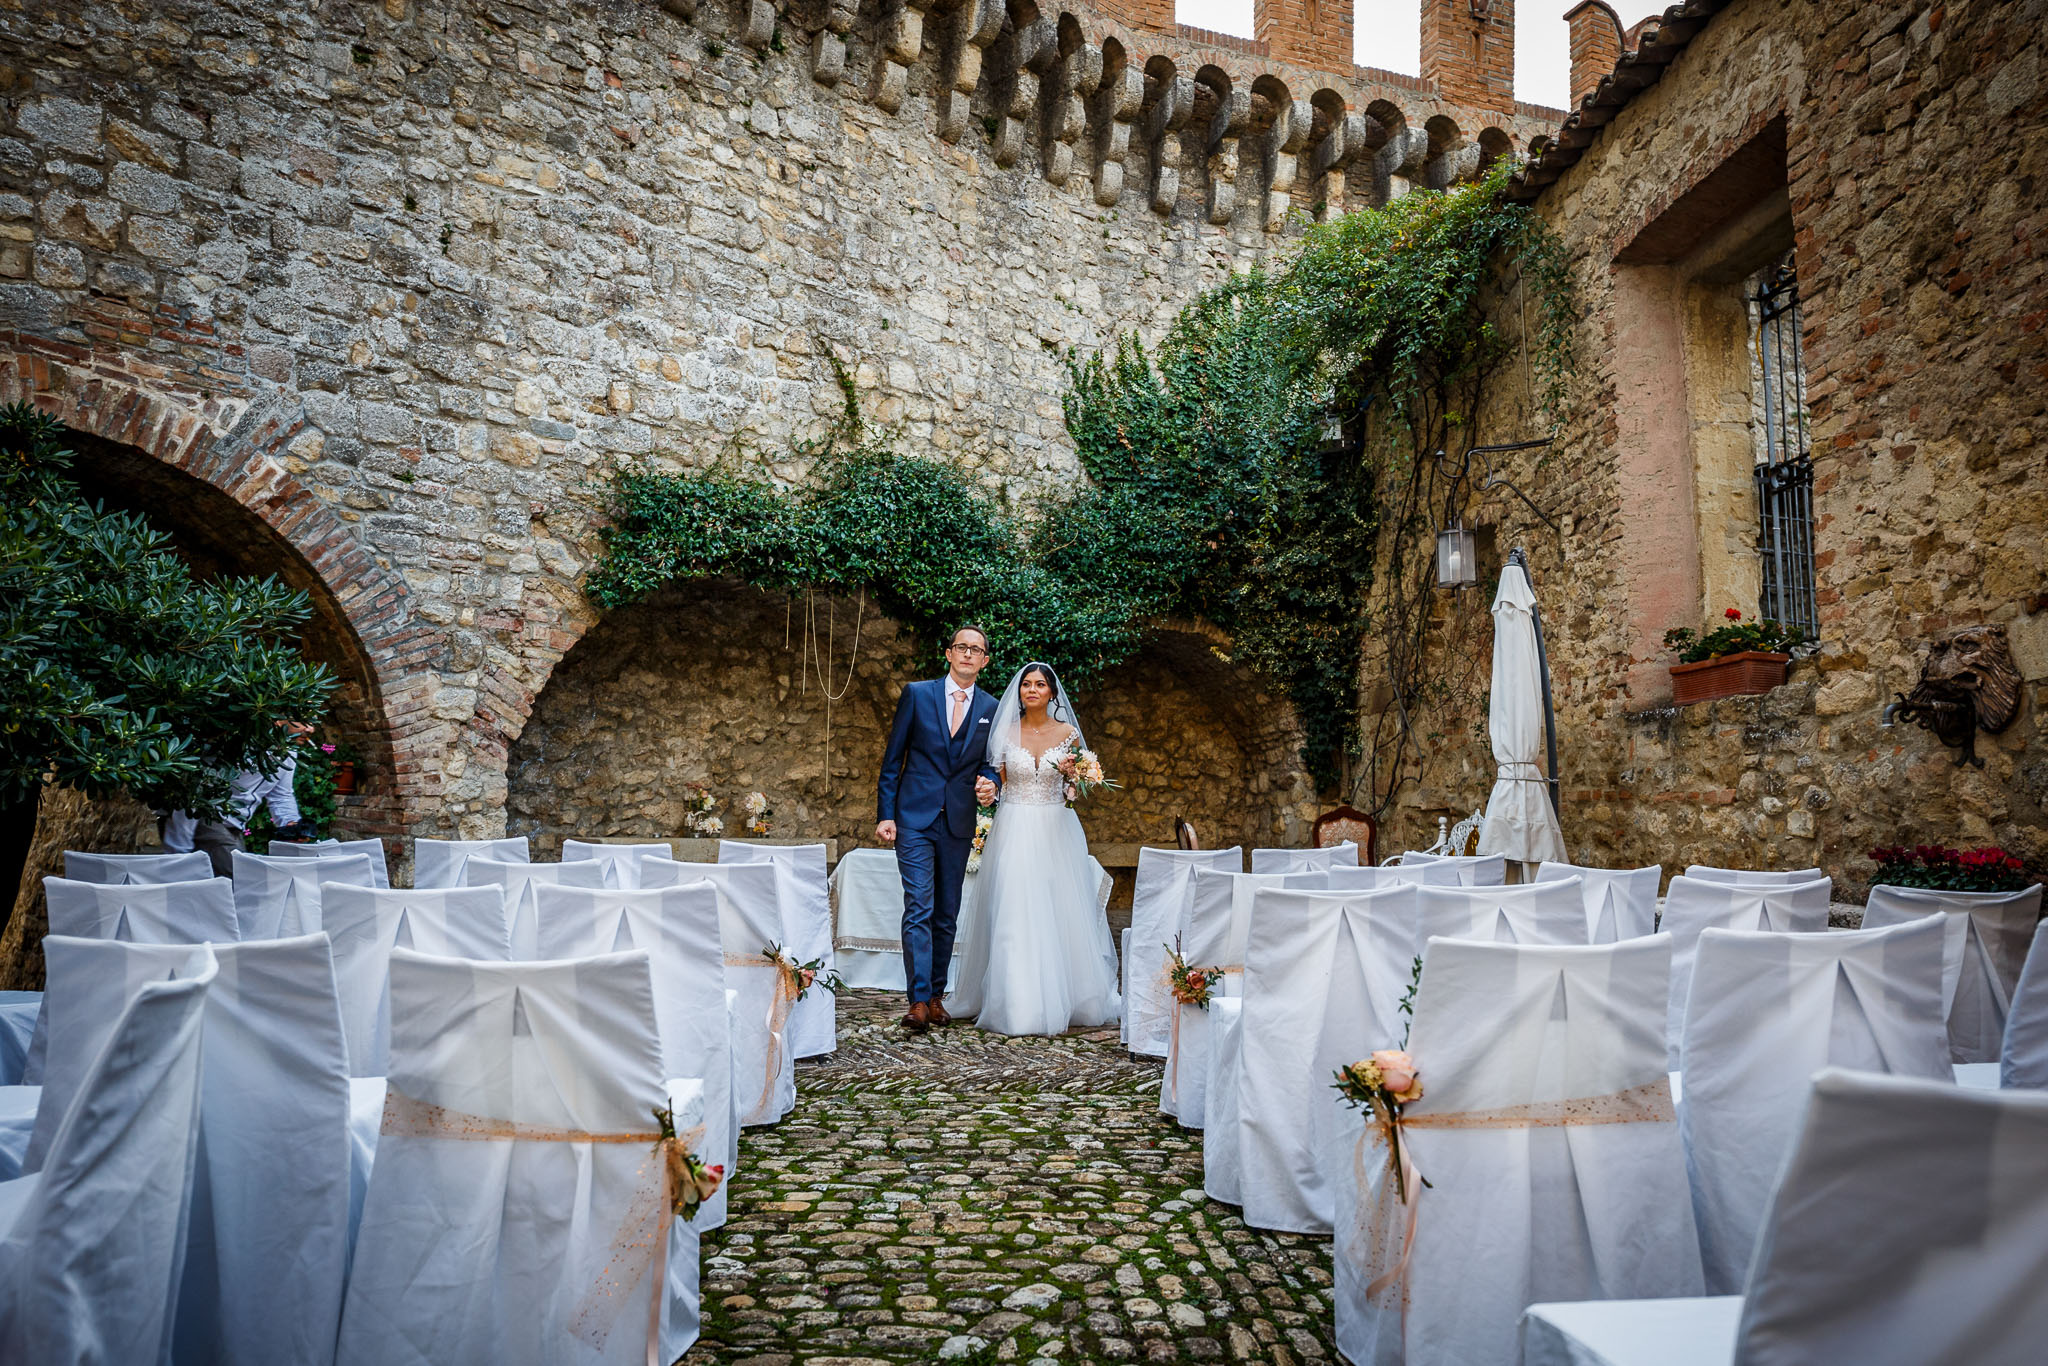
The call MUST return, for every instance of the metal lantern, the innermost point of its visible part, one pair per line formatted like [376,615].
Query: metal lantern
[1333,431]
[1457,558]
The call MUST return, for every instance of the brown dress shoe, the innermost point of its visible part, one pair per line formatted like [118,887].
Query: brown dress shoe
[919,1019]
[936,1013]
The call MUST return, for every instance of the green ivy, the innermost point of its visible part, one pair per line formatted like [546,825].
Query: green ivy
[1214,490]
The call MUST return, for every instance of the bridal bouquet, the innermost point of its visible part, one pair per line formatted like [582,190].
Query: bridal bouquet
[1087,773]
[758,814]
[984,821]
[690,1177]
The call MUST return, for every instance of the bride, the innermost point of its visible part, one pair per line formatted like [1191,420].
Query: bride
[1042,961]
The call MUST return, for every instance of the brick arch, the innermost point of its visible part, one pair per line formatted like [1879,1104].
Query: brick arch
[230,443]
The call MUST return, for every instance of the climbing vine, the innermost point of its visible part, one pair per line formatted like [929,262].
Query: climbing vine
[1245,471]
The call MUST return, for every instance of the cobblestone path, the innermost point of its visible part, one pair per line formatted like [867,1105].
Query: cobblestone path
[977,1198]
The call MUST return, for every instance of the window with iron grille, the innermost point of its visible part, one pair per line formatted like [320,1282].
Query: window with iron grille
[1784,468]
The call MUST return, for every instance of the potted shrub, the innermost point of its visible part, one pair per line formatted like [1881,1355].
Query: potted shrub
[1742,657]
[1989,869]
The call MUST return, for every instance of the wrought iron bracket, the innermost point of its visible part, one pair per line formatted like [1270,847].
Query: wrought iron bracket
[1491,479]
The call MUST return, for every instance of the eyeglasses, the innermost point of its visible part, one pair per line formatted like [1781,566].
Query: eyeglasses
[969,650]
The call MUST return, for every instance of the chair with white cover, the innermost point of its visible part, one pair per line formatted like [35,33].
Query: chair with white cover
[2024,1059]
[1158,894]
[197,912]
[1621,903]
[1547,1134]
[1766,1012]
[279,898]
[807,933]
[85,867]
[518,881]
[440,863]
[621,861]
[1324,974]
[1393,875]
[1529,913]
[1343,855]
[18,1013]
[373,850]
[366,923]
[1474,870]
[1986,939]
[749,920]
[1213,927]
[91,1245]
[678,926]
[1756,877]
[1910,1224]
[1693,905]
[517,1212]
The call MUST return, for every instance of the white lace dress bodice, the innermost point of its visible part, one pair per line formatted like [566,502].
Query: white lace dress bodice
[1034,782]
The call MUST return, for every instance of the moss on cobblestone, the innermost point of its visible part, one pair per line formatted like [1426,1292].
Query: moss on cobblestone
[986,1199]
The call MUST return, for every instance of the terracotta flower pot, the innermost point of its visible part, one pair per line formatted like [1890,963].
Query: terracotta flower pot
[1745,674]
[345,777]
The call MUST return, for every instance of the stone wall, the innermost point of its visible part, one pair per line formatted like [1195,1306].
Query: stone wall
[406,281]
[1838,131]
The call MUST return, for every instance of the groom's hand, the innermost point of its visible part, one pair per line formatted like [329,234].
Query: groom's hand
[984,792]
[885,831]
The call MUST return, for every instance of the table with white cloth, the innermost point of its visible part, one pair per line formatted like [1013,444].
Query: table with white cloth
[867,917]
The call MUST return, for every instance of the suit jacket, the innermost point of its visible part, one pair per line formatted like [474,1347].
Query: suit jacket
[927,772]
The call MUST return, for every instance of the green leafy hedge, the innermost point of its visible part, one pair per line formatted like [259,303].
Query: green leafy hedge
[1214,490]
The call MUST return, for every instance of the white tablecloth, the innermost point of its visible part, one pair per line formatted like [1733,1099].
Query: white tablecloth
[1678,1332]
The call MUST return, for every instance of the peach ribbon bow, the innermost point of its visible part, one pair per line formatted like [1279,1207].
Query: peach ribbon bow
[786,992]
[642,1237]
[1173,1023]
[1371,1245]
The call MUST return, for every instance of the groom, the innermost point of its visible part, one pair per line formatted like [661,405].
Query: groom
[935,774]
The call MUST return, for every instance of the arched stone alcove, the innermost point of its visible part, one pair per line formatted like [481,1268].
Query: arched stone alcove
[705,682]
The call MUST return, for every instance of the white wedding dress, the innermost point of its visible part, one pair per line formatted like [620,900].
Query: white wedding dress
[1042,961]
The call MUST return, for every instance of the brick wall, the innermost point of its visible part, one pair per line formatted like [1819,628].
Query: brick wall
[1471,58]
[1595,45]
[1313,32]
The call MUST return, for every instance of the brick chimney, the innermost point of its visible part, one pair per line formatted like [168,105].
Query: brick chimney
[1468,49]
[1596,45]
[1313,33]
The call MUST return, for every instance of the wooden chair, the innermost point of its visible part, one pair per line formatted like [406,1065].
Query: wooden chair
[1346,823]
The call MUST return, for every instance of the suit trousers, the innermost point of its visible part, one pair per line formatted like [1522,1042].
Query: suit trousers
[933,863]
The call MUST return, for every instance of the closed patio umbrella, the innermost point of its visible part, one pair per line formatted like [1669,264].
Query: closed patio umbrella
[1520,819]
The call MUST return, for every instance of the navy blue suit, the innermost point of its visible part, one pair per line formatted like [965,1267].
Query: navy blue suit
[927,788]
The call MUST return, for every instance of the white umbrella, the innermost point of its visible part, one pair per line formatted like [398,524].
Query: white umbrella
[1519,820]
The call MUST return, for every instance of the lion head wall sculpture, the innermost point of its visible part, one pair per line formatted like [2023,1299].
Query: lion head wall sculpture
[1969,683]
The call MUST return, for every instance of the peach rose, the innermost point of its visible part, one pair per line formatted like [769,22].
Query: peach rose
[1397,1074]
[708,1180]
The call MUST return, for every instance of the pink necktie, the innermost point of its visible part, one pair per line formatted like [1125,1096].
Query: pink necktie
[959,708]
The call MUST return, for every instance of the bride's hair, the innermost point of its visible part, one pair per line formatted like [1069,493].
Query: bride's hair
[1053,709]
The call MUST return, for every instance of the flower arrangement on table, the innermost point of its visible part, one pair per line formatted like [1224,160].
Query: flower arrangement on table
[1190,986]
[801,977]
[1989,869]
[1084,772]
[759,814]
[691,1180]
[984,821]
[1734,635]
[698,806]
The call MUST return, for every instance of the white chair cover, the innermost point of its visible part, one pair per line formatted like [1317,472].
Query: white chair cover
[192,867]
[519,880]
[1343,855]
[1531,913]
[1324,974]
[18,1013]
[1393,875]
[439,863]
[807,927]
[279,898]
[198,912]
[1621,903]
[1158,897]
[1766,1012]
[366,923]
[749,919]
[678,927]
[373,850]
[496,1232]
[1547,1132]
[1756,877]
[1474,870]
[621,861]
[1987,936]
[1693,905]
[1911,1225]
[2024,1059]
[91,1247]
[1213,927]
[1222,1099]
